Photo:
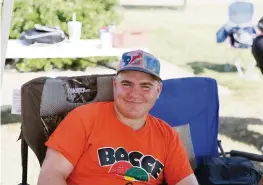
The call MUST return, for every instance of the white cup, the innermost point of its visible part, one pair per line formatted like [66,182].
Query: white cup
[74,30]
[106,38]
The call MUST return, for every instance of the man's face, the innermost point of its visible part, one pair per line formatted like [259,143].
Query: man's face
[135,93]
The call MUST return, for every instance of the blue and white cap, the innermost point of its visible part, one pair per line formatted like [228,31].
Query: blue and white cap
[139,60]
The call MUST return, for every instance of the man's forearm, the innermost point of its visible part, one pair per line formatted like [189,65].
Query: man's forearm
[51,180]
[190,180]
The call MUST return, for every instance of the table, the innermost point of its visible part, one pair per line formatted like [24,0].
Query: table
[66,49]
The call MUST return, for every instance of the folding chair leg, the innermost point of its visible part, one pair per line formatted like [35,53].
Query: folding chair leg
[250,73]
[252,67]
[229,61]
[24,157]
[239,68]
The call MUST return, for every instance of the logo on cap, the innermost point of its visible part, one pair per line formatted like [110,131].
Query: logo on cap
[141,61]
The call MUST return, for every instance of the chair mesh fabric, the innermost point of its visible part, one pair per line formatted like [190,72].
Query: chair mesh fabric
[46,101]
[185,135]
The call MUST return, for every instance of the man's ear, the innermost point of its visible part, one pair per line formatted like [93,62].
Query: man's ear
[114,81]
[159,89]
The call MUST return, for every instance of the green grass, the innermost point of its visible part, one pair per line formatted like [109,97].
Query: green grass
[188,40]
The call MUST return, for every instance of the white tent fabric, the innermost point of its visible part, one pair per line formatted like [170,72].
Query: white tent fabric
[7,11]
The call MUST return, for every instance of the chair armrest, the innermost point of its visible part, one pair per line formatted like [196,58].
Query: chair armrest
[250,156]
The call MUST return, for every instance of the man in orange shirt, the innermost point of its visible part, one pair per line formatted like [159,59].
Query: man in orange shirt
[118,142]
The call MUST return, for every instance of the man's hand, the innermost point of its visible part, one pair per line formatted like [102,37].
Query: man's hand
[55,169]
[190,180]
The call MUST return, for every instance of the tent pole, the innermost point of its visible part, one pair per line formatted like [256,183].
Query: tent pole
[7,11]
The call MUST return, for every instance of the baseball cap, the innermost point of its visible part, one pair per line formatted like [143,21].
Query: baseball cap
[139,60]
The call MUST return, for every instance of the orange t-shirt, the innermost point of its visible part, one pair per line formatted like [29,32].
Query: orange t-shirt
[104,151]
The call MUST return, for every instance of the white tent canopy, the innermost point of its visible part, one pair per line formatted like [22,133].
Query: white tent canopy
[7,10]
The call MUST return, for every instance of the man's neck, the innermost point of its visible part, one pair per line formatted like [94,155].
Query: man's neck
[135,124]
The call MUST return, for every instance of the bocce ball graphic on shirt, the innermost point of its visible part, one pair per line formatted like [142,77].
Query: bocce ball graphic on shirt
[133,166]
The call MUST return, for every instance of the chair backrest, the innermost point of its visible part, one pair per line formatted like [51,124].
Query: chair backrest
[46,101]
[190,105]
[240,12]
[194,102]
[240,16]
[239,29]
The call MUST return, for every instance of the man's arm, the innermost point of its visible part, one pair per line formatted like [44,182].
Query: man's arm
[65,146]
[261,181]
[190,180]
[55,169]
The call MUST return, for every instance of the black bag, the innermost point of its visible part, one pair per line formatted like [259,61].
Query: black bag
[43,34]
[226,171]
[234,170]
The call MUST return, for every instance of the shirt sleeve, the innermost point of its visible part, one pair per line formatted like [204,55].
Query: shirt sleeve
[70,136]
[177,165]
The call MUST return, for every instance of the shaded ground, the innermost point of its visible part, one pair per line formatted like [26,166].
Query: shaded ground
[245,130]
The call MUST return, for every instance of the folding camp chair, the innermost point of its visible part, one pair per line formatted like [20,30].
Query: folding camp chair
[190,105]
[239,31]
